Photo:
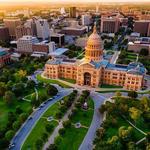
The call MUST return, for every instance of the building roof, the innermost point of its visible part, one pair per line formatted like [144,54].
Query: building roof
[102,63]
[117,67]
[58,51]
[3,52]
[136,68]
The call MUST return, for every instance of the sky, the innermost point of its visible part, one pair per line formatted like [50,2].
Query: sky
[102,1]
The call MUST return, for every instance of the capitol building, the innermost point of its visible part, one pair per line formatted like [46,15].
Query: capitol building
[94,71]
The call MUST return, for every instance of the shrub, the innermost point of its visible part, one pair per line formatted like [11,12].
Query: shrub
[22,117]
[39,144]
[9,135]
[52,147]
[132,94]
[59,115]
[58,140]
[16,125]
[62,131]
[49,127]
[67,124]
[44,136]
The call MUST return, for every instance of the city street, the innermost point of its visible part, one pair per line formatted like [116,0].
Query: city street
[27,127]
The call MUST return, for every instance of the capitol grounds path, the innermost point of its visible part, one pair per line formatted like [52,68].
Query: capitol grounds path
[29,124]
[60,125]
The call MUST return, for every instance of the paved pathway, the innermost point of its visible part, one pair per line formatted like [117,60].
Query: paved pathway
[29,124]
[87,143]
[55,133]
[115,57]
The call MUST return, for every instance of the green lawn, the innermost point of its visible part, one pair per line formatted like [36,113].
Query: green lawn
[73,137]
[39,78]
[109,86]
[108,91]
[69,80]
[112,131]
[39,129]
[4,109]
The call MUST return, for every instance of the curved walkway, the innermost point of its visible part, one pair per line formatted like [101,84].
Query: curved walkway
[29,124]
[87,143]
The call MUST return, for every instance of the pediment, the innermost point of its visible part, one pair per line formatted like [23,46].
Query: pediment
[87,65]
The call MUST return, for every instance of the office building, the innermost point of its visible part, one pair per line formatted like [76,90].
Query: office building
[142,27]
[109,25]
[86,20]
[39,27]
[22,30]
[24,44]
[4,34]
[11,23]
[72,12]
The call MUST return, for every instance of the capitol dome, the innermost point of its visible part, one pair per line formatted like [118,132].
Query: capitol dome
[94,39]
[94,48]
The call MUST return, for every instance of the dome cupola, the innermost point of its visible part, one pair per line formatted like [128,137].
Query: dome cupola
[94,48]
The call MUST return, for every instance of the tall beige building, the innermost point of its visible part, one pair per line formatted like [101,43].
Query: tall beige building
[93,70]
[142,27]
[11,23]
[109,24]
[22,30]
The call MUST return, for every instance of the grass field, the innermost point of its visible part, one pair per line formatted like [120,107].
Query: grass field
[4,109]
[73,137]
[69,80]
[39,78]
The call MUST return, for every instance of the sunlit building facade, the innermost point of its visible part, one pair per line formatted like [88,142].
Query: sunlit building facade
[93,70]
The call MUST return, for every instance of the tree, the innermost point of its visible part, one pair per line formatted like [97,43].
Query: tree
[118,94]
[49,127]
[102,109]
[124,133]
[9,135]
[39,144]
[44,136]
[144,52]
[30,84]
[131,146]
[9,97]
[20,75]
[18,110]
[2,88]
[58,140]
[62,131]
[22,117]
[18,88]
[42,97]
[114,142]
[67,124]
[51,90]
[132,94]
[16,125]
[3,143]
[145,102]
[52,147]
[135,113]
